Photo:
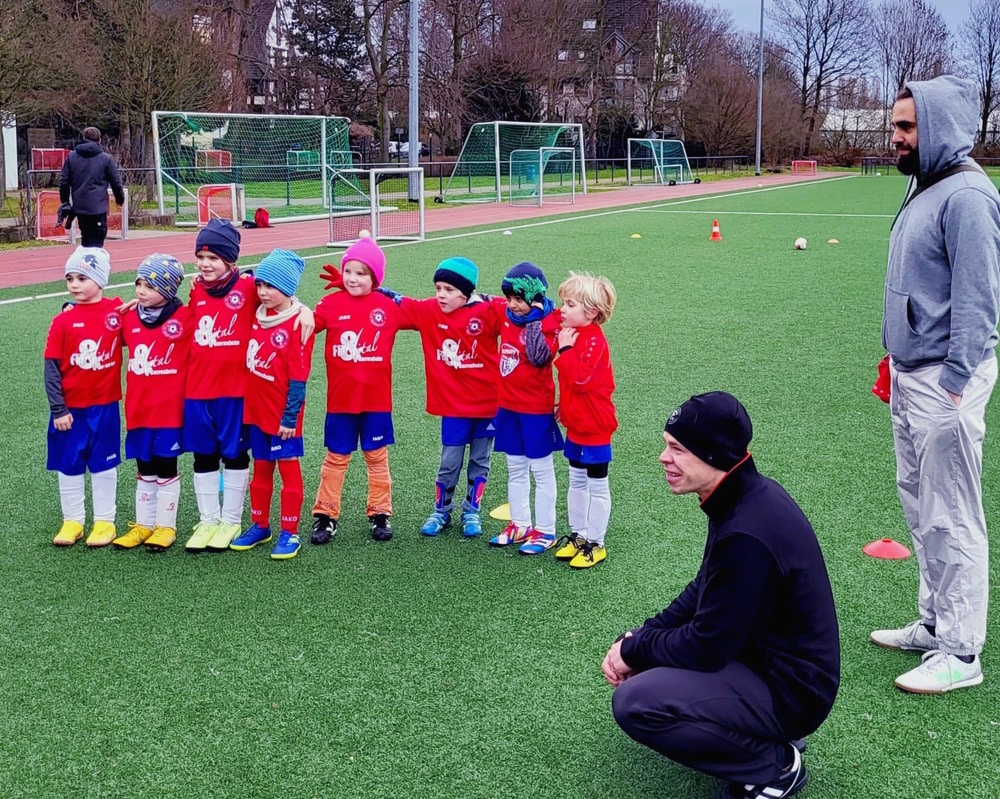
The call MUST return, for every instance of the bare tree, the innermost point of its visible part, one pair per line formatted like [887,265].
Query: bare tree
[980,36]
[385,48]
[36,80]
[824,41]
[913,40]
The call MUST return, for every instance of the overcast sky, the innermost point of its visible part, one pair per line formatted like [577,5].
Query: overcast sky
[746,13]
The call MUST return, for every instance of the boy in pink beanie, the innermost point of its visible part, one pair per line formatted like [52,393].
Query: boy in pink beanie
[361,326]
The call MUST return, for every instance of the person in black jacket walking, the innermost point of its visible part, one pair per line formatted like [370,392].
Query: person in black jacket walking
[745,662]
[87,175]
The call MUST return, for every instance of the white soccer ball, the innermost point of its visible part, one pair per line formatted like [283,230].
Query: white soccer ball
[364,234]
[801,243]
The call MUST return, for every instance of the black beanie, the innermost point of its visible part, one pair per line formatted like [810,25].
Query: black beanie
[714,426]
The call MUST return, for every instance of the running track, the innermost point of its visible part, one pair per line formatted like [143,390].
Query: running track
[45,264]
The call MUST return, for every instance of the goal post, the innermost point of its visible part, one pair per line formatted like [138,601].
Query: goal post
[804,168]
[482,171]
[545,174]
[658,162]
[283,162]
[378,201]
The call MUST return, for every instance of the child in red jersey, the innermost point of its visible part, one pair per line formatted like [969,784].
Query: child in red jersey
[458,331]
[586,383]
[278,367]
[223,305]
[83,386]
[157,333]
[361,326]
[526,425]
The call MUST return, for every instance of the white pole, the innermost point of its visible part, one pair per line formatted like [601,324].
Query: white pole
[413,157]
[760,83]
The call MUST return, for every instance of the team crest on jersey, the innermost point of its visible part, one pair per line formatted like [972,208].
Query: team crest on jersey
[235,299]
[509,359]
[279,339]
[377,317]
[173,329]
[475,326]
[113,321]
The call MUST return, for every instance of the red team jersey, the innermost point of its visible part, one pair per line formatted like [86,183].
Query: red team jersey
[275,356]
[460,356]
[156,372]
[586,383]
[524,387]
[217,366]
[86,340]
[360,334]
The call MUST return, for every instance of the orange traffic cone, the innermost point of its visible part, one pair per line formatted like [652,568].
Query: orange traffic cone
[716,235]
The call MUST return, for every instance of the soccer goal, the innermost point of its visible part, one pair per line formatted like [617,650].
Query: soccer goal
[482,172]
[543,175]
[658,162]
[283,163]
[804,168]
[47,204]
[376,200]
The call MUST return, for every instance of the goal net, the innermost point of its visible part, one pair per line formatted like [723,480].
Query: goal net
[282,163]
[543,175]
[378,201]
[658,162]
[482,172]
[804,168]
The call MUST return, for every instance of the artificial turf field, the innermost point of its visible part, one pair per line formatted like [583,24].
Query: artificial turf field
[443,668]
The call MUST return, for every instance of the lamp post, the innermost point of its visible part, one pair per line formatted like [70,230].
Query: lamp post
[760,84]
[413,157]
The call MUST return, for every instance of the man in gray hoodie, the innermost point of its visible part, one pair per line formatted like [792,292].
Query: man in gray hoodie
[942,300]
[87,174]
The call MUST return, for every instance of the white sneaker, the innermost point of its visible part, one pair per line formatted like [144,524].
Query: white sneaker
[913,637]
[939,673]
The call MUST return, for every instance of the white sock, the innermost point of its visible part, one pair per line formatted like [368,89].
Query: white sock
[577,501]
[168,495]
[600,510]
[71,498]
[234,494]
[544,471]
[519,491]
[145,501]
[104,487]
[206,494]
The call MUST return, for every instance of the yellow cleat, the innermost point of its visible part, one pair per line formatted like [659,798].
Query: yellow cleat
[161,539]
[203,532]
[224,535]
[137,534]
[102,534]
[68,534]
[589,555]
[568,550]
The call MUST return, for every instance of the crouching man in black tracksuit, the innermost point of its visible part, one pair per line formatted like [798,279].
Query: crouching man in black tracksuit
[745,662]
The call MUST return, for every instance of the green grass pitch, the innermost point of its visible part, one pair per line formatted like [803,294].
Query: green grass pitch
[442,668]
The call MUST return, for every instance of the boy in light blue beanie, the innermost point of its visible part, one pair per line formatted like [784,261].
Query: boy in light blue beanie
[278,363]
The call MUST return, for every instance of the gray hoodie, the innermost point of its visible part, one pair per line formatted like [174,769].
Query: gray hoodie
[942,286]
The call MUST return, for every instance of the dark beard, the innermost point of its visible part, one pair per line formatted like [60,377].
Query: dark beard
[909,164]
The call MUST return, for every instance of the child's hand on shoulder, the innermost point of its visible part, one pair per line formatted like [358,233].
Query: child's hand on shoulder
[568,336]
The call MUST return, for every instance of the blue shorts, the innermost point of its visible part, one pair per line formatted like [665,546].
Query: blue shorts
[343,431]
[93,443]
[146,443]
[457,431]
[533,435]
[266,447]
[582,454]
[215,427]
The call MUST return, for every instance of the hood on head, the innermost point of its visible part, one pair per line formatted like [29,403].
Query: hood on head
[947,119]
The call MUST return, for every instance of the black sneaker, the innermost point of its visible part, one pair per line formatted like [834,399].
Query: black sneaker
[381,531]
[788,784]
[324,528]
